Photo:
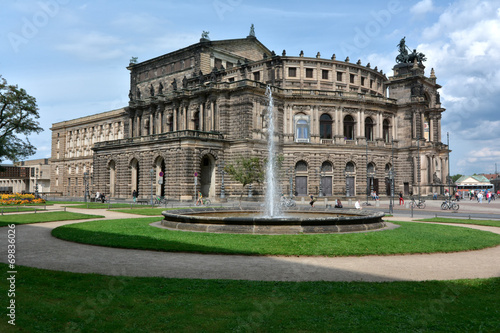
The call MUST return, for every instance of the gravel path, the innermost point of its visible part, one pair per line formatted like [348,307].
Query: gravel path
[37,248]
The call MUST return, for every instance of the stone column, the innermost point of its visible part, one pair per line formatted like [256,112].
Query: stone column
[151,123]
[174,119]
[130,127]
[394,129]
[358,134]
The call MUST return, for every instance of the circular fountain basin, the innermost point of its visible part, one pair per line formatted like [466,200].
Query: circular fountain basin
[293,221]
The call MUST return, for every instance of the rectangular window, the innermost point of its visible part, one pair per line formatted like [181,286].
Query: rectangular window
[256,76]
[292,72]
[362,81]
[371,84]
[351,78]
[339,76]
[309,73]
[302,133]
[229,64]
[324,74]
[231,79]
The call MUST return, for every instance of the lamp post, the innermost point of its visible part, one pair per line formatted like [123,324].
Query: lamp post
[86,184]
[151,173]
[36,183]
[346,182]
[449,177]
[391,178]
[319,172]
[222,172]
[291,181]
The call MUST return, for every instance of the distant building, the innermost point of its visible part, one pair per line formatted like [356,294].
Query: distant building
[342,127]
[26,177]
[474,182]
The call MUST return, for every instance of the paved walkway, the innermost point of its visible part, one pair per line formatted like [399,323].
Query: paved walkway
[37,248]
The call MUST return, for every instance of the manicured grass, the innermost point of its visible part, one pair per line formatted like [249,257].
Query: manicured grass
[489,223]
[50,301]
[44,217]
[409,238]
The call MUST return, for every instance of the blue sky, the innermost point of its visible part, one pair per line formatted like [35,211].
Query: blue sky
[71,55]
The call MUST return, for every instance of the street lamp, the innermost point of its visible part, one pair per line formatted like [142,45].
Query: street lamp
[321,174]
[151,173]
[391,179]
[86,184]
[36,183]
[291,181]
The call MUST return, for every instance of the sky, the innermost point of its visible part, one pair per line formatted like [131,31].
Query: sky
[71,55]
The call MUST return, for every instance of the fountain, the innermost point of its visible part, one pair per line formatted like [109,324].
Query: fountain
[272,220]
[272,203]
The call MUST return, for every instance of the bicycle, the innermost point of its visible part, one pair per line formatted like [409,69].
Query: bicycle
[420,204]
[204,202]
[287,202]
[161,200]
[449,205]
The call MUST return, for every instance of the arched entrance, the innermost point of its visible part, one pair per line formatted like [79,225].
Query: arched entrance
[207,176]
[160,177]
[112,178]
[134,181]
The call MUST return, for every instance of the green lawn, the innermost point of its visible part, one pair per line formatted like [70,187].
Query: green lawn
[409,238]
[50,301]
[44,217]
[489,223]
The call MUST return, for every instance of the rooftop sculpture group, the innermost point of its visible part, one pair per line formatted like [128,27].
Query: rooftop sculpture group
[405,57]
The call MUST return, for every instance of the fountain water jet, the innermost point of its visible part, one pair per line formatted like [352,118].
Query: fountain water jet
[272,203]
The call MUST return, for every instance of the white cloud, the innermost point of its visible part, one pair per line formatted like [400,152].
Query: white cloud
[422,7]
[93,46]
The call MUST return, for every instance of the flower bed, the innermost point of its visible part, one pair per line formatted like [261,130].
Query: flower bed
[19,199]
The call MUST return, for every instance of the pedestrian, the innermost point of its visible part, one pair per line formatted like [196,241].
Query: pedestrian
[357,205]
[103,197]
[200,199]
[97,196]
[338,204]
[480,197]
[401,200]
[134,195]
[312,201]
[435,196]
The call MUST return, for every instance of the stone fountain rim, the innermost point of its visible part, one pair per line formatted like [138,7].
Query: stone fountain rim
[354,216]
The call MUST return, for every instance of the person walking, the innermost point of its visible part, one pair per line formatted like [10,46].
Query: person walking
[97,196]
[134,195]
[312,201]
[401,200]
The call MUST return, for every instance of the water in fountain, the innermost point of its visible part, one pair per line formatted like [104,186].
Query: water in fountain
[273,207]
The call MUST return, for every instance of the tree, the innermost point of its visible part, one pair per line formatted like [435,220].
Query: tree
[18,112]
[456,177]
[246,170]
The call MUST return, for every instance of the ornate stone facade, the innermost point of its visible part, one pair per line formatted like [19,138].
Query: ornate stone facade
[341,126]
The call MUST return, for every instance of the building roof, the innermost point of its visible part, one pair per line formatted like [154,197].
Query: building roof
[474,179]
[491,176]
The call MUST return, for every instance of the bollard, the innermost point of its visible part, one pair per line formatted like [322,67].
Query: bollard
[35,210]
[435,215]
[2,211]
[469,217]
[64,208]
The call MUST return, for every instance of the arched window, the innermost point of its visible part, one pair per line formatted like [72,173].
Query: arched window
[370,168]
[325,126]
[386,126]
[349,127]
[326,167]
[301,166]
[349,167]
[301,128]
[369,129]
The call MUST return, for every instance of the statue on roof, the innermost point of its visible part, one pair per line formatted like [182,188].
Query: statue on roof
[204,35]
[405,57]
[252,31]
